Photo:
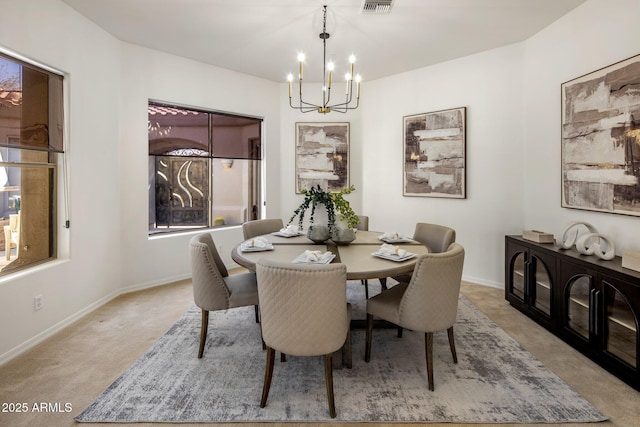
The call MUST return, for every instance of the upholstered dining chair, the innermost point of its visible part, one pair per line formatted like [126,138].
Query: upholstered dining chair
[304,312]
[364,226]
[259,227]
[213,287]
[428,303]
[436,237]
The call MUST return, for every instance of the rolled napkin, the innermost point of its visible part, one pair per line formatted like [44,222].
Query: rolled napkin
[391,236]
[258,242]
[292,230]
[387,249]
[315,257]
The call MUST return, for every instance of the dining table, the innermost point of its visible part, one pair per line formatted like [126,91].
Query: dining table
[358,256]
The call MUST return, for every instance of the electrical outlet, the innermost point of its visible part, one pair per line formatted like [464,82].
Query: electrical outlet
[38,302]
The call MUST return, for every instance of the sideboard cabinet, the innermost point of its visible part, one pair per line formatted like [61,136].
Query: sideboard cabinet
[593,305]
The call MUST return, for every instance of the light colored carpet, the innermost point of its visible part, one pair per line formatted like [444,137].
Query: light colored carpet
[495,381]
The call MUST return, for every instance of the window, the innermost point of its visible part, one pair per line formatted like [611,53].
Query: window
[204,168]
[31,125]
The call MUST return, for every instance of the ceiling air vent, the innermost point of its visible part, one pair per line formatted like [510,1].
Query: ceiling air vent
[377,7]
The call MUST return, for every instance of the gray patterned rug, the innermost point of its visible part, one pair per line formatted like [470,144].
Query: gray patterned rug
[495,380]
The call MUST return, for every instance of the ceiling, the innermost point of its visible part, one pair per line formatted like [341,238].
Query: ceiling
[262,37]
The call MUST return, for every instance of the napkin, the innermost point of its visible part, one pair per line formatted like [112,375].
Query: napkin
[258,243]
[387,249]
[391,236]
[314,256]
[292,230]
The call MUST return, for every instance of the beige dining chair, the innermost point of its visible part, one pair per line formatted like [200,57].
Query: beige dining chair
[428,303]
[213,287]
[259,227]
[304,312]
[435,237]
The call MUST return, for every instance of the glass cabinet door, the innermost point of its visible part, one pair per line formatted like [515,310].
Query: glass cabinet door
[541,296]
[577,305]
[621,334]
[517,275]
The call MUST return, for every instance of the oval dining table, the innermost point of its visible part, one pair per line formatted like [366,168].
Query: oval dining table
[357,256]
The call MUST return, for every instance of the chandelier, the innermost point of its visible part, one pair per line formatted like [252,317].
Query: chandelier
[326,107]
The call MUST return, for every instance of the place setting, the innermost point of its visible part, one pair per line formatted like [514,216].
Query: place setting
[314,257]
[288,231]
[393,253]
[395,237]
[256,244]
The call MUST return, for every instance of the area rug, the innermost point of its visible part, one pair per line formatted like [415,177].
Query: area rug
[495,380]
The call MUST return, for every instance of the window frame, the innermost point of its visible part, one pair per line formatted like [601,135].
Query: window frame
[254,172]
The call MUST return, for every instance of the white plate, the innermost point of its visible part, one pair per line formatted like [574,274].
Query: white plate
[244,248]
[282,234]
[400,240]
[300,259]
[396,258]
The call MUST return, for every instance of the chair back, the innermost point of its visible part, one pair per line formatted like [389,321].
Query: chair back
[210,292]
[430,302]
[364,223]
[436,237]
[303,307]
[259,227]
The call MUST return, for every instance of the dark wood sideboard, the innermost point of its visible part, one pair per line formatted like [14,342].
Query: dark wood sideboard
[591,304]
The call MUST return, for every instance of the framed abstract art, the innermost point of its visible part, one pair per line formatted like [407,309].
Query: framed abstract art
[435,154]
[322,156]
[601,140]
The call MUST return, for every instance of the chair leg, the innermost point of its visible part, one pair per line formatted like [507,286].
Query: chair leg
[268,374]
[257,313]
[400,329]
[283,357]
[428,344]
[383,283]
[346,351]
[203,332]
[367,350]
[328,376]
[452,344]
[365,283]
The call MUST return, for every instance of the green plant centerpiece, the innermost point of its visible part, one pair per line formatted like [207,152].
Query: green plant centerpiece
[334,203]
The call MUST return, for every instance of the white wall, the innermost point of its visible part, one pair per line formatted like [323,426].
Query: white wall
[88,269]
[513,151]
[149,74]
[489,85]
[595,35]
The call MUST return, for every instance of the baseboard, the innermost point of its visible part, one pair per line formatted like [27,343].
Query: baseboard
[483,282]
[47,333]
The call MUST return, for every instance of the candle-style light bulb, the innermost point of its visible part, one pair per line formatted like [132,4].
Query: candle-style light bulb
[352,61]
[290,79]
[347,77]
[300,60]
[330,67]
[358,80]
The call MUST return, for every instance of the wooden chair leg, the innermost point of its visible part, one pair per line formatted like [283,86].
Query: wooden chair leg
[428,344]
[283,357]
[452,344]
[328,376]
[255,307]
[367,349]
[383,283]
[400,329]
[268,374]
[346,351]
[203,332]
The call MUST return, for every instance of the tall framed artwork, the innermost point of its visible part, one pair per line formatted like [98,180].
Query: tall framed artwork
[435,154]
[601,140]
[322,156]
